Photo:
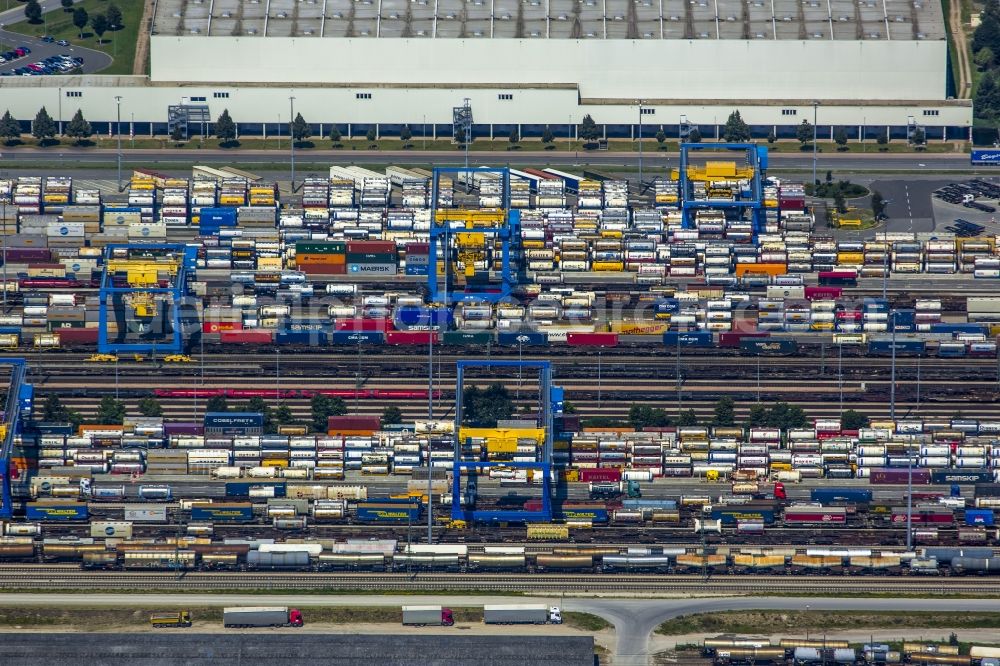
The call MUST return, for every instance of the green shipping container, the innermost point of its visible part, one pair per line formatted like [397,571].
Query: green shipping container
[371,257]
[320,247]
[467,338]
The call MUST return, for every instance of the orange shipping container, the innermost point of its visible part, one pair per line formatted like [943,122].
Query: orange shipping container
[349,433]
[302,259]
[761,269]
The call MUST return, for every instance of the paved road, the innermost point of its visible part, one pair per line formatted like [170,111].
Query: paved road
[840,163]
[93,61]
[634,619]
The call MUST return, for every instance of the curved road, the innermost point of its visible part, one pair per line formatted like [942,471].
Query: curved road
[634,619]
[842,162]
[93,61]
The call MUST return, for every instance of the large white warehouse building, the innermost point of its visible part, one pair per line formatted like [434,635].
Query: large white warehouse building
[866,65]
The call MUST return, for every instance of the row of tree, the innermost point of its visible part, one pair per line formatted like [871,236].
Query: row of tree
[111,19]
[44,127]
[779,415]
[986,56]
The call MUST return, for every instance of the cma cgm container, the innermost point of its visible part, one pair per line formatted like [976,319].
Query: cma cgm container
[228,512]
[898,475]
[388,512]
[692,339]
[56,511]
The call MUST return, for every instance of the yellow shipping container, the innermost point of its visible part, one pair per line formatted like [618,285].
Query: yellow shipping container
[571,475]
[533,244]
[850,258]
[821,326]
[615,266]
[231,200]
[274,462]
[639,327]
[269,263]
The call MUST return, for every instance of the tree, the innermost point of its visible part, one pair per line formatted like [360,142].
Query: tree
[758,416]
[687,418]
[80,19]
[10,129]
[694,136]
[661,136]
[735,130]
[829,177]
[852,420]
[840,138]
[514,137]
[644,416]
[225,128]
[300,128]
[882,138]
[987,34]
[217,403]
[99,23]
[67,5]
[984,58]
[804,133]
[724,412]
[283,415]
[114,16]
[483,408]
[460,136]
[391,415]
[772,137]
[150,406]
[547,136]
[78,128]
[256,405]
[55,412]
[371,136]
[177,133]
[110,410]
[588,130]
[839,202]
[334,134]
[323,407]
[878,205]
[33,11]
[43,128]
[406,135]
[919,137]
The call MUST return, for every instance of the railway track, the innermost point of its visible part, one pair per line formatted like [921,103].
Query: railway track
[41,577]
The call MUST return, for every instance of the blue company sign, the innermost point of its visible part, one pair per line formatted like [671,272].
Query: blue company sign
[986,157]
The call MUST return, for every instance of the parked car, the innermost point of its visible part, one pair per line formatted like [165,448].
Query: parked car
[62,42]
[48,39]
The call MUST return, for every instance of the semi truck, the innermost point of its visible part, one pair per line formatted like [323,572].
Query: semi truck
[614,489]
[522,614]
[422,616]
[178,619]
[262,616]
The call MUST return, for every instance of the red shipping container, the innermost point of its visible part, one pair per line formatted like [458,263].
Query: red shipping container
[600,474]
[219,326]
[592,339]
[323,269]
[733,339]
[363,247]
[248,337]
[898,476]
[410,337]
[418,248]
[363,325]
[823,293]
[353,423]
[815,515]
[533,505]
[849,433]
[17,255]
[77,336]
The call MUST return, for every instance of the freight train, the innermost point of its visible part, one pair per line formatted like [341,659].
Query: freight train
[739,651]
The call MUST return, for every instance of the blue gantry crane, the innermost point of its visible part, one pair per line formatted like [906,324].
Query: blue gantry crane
[143,284]
[20,396]
[500,444]
[754,169]
[469,235]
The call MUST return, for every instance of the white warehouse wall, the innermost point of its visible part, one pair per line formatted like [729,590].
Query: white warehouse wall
[95,96]
[602,68]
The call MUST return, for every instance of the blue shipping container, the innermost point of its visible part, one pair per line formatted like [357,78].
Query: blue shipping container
[217,217]
[68,511]
[692,339]
[242,488]
[732,515]
[234,422]
[300,338]
[768,347]
[985,157]
[876,305]
[418,316]
[388,512]
[979,517]
[416,270]
[523,339]
[959,328]
[649,504]
[577,513]
[223,513]
[357,338]
[948,476]
[884,347]
[667,306]
[830,495]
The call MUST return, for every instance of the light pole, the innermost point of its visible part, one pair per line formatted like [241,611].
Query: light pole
[291,136]
[815,107]
[640,147]
[118,133]
[430,417]
[840,375]
[60,111]
[598,378]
